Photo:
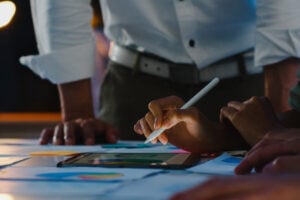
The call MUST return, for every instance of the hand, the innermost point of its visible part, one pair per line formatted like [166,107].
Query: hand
[187,129]
[252,118]
[245,187]
[277,152]
[80,131]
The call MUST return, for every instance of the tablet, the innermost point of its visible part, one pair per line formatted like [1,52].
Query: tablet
[132,160]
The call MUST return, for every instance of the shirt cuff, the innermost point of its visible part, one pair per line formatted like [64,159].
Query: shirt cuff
[276,45]
[63,66]
[277,31]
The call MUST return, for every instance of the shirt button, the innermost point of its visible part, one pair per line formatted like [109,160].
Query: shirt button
[192,43]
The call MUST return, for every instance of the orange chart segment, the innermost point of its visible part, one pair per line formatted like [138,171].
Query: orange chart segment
[53,153]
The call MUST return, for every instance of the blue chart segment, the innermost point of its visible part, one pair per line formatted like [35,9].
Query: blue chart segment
[82,175]
[232,160]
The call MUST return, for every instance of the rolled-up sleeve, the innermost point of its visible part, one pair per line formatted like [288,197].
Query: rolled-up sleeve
[278,31]
[65,40]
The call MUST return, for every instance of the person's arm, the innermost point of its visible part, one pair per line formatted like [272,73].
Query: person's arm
[244,187]
[67,58]
[277,47]
[274,153]
[279,79]
[76,100]
[188,128]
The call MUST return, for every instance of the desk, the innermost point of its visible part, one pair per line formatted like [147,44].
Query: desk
[37,177]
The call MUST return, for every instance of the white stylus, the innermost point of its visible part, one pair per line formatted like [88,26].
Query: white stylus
[193,100]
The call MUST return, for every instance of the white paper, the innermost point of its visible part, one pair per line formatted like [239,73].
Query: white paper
[161,186]
[74,174]
[6,161]
[222,165]
[55,190]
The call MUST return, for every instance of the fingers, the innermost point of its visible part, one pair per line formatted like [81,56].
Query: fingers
[142,128]
[58,136]
[157,107]
[138,128]
[283,164]
[88,132]
[154,119]
[157,112]
[265,154]
[228,113]
[46,136]
[97,131]
[236,105]
[150,121]
[70,133]
[146,129]
[80,131]
[258,158]
[163,138]
[147,120]
[112,135]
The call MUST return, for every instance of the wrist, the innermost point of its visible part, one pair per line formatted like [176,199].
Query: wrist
[76,100]
[72,114]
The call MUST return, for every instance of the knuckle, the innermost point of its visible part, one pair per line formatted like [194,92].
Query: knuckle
[85,124]
[143,122]
[47,130]
[152,104]
[58,128]
[223,110]
[148,116]
[254,99]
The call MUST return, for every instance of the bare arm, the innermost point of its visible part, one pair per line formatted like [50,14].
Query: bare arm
[279,78]
[79,125]
[76,100]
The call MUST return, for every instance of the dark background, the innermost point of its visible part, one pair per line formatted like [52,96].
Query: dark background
[21,90]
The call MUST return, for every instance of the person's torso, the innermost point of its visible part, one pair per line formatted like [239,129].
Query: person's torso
[183,31]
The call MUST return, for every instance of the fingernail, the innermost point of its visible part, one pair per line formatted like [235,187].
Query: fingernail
[164,142]
[154,141]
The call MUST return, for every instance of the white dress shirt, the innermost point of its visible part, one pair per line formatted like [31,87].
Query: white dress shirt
[183,31]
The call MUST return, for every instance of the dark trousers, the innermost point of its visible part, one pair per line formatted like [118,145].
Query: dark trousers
[125,95]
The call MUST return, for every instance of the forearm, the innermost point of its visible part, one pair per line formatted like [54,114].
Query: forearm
[76,100]
[279,78]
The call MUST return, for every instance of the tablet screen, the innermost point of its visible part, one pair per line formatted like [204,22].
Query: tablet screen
[136,160]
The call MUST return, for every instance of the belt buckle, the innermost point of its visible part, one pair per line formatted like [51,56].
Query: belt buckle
[184,73]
